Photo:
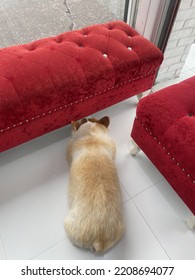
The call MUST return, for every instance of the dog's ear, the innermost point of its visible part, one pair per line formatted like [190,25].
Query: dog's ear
[83,121]
[75,125]
[105,121]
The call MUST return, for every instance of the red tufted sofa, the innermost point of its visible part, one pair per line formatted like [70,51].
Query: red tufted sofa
[164,128]
[47,83]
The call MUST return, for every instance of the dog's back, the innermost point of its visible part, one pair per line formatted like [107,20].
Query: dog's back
[95,218]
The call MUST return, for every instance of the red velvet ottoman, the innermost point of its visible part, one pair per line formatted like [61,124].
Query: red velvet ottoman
[47,83]
[164,128]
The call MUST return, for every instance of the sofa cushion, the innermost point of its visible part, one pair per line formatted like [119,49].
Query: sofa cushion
[49,82]
[170,115]
[164,129]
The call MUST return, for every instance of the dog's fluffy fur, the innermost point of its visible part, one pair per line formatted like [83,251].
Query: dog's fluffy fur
[95,218]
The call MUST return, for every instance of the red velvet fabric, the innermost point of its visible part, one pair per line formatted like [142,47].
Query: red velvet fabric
[164,129]
[47,83]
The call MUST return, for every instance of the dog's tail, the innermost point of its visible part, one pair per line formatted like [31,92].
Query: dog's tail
[99,247]
[102,245]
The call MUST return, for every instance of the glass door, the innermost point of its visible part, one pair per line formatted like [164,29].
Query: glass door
[152,18]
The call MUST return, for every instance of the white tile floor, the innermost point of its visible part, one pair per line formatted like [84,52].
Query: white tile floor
[33,198]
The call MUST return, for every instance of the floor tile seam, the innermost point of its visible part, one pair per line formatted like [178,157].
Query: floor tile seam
[129,197]
[48,248]
[148,188]
[152,231]
[141,192]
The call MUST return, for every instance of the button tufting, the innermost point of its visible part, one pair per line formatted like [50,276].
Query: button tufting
[32,48]
[190,114]
[129,48]
[105,55]
[58,40]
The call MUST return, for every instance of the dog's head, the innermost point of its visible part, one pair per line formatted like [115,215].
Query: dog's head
[89,125]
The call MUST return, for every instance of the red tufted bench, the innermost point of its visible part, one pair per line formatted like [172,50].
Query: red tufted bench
[164,128]
[47,83]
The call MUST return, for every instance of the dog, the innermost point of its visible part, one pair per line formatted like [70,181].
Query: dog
[95,220]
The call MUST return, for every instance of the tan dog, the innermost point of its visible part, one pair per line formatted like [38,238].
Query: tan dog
[95,218]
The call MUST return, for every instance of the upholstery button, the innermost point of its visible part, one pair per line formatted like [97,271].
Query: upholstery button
[129,48]
[190,115]
[58,40]
[105,55]
[129,36]
[32,48]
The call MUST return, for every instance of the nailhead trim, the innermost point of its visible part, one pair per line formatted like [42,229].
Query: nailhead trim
[75,102]
[168,153]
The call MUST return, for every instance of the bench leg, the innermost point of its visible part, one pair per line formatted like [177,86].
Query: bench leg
[142,94]
[139,96]
[135,149]
[191,222]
